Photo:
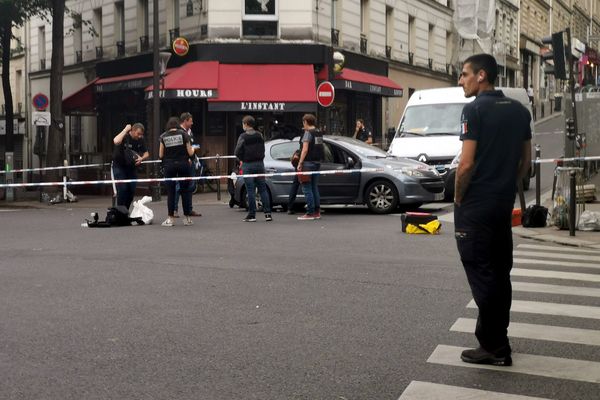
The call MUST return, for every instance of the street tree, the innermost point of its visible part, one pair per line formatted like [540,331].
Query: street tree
[13,14]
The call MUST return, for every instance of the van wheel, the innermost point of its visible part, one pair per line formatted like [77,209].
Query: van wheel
[381,197]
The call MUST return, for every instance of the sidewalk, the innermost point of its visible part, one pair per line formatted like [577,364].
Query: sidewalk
[555,235]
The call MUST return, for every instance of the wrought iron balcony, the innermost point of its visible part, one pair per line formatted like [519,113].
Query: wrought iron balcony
[99,52]
[411,57]
[388,51]
[120,48]
[173,34]
[363,44]
[78,56]
[430,63]
[42,63]
[144,43]
[335,37]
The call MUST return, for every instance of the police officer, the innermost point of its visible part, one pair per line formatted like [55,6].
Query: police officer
[129,152]
[496,151]
[361,133]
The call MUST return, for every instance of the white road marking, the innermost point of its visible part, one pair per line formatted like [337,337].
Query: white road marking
[532,261]
[555,289]
[562,249]
[417,390]
[539,307]
[538,332]
[555,256]
[573,276]
[551,367]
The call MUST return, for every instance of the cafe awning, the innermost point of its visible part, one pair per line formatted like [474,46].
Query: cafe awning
[359,81]
[194,80]
[265,88]
[81,101]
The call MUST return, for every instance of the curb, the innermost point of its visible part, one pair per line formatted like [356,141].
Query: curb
[545,237]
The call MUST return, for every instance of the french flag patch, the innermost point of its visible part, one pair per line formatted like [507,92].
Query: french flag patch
[464,128]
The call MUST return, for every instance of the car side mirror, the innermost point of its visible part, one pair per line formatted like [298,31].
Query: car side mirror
[349,162]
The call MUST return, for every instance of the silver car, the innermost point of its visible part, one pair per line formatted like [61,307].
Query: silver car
[397,181]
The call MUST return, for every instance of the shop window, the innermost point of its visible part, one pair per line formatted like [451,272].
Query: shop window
[260,18]
[75,134]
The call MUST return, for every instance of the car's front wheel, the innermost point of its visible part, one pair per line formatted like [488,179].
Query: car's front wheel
[381,197]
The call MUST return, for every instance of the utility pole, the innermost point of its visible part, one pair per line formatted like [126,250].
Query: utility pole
[155,188]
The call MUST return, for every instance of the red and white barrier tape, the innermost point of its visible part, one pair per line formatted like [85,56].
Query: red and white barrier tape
[189,178]
[559,160]
[98,165]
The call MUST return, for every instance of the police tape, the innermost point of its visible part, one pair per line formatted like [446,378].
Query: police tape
[561,160]
[232,176]
[67,167]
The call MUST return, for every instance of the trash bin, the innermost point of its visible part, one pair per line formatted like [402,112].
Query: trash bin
[557,103]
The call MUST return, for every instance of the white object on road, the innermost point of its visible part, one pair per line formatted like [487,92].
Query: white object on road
[141,210]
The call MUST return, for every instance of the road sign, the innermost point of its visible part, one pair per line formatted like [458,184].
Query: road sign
[41,118]
[181,46]
[40,101]
[325,94]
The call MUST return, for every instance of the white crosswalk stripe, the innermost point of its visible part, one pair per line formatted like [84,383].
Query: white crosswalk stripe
[534,262]
[417,390]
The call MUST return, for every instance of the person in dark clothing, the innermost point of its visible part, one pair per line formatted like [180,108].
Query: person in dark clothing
[186,121]
[250,150]
[496,152]
[311,155]
[361,133]
[129,152]
[175,151]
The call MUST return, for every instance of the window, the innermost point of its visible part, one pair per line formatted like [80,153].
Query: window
[42,46]
[431,45]
[260,18]
[97,23]
[142,24]
[77,37]
[389,31]
[120,21]
[412,39]
[284,151]
[364,17]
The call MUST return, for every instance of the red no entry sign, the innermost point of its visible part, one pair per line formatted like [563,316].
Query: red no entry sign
[325,94]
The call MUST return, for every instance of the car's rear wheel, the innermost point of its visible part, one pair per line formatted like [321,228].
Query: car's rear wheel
[381,197]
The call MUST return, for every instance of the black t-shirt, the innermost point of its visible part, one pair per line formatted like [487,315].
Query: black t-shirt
[500,125]
[175,142]
[363,134]
[137,145]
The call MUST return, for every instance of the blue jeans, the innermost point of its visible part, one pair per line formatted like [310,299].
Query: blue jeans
[125,191]
[256,167]
[311,189]
[178,189]
[175,169]
[293,192]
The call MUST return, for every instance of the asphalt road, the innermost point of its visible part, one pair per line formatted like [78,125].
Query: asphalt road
[343,308]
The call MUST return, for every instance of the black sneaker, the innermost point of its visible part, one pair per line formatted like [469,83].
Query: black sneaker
[249,218]
[482,356]
[268,217]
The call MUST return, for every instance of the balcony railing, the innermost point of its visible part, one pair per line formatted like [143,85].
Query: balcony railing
[20,108]
[42,63]
[173,34]
[99,52]
[78,56]
[388,51]
[411,57]
[144,43]
[363,44]
[120,48]
[448,69]
[335,37]
[204,30]
[430,63]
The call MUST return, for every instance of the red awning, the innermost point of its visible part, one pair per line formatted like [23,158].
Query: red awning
[359,81]
[265,87]
[126,82]
[81,101]
[194,80]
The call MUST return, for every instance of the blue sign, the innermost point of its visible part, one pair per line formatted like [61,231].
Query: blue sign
[40,101]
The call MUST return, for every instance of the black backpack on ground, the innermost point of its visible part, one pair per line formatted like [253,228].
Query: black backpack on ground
[115,216]
[534,217]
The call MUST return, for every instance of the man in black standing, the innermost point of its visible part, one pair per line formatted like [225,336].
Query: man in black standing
[362,133]
[496,152]
[129,152]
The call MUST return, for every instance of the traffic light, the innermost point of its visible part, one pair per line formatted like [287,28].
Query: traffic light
[556,55]
[570,128]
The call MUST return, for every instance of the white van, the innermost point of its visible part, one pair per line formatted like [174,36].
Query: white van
[429,129]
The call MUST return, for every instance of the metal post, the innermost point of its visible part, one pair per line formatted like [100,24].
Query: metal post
[155,188]
[65,189]
[538,179]
[218,161]
[572,202]
[9,192]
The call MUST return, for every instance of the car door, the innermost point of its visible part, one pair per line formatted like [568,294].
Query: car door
[279,161]
[342,187]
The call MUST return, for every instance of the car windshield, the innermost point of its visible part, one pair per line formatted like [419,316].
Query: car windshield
[431,120]
[363,149]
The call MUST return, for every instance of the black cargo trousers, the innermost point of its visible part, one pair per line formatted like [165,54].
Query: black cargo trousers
[484,240]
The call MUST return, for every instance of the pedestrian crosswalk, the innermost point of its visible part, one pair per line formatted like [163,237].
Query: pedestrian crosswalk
[541,272]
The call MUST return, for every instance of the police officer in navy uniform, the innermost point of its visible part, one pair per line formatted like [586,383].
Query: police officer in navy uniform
[496,152]
[129,152]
